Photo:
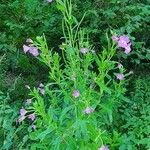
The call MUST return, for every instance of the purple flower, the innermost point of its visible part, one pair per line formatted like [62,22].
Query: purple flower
[76,93]
[26,48]
[21,119]
[22,111]
[29,40]
[88,110]
[123,41]
[120,76]
[28,101]
[119,66]
[84,50]
[103,148]
[124,38]
[32,117]
[33,126]
[34,51]
[114,38]
[128,48]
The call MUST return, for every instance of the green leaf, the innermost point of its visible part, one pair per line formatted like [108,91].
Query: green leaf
[64,112]
[43,134]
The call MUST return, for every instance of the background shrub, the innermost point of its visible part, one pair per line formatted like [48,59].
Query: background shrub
[135,116]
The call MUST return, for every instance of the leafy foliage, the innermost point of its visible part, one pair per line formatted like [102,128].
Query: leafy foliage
[8,115]
[123,16]
[119,117]
[19,21]
[136,116]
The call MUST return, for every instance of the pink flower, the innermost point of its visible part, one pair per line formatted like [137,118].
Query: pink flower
[32,117]
[29,40]
[128,48]
[26,48]
[119,66]
[103,148]
[115,38]
[123,41]
[120,76]
[28,101]
[76,93]
[34,51]
[84,50]
[88,110]
[22,111]
[124,38]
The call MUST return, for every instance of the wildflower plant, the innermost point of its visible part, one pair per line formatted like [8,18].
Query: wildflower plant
[76,108]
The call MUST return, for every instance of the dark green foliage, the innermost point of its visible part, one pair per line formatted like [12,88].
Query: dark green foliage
[136,116]
[8,115]
[21,20]
[13,135]
[122,16]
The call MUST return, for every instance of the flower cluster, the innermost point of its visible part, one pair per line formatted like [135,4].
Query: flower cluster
[25,114]
[30,48]
[87,110]
[123,42]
